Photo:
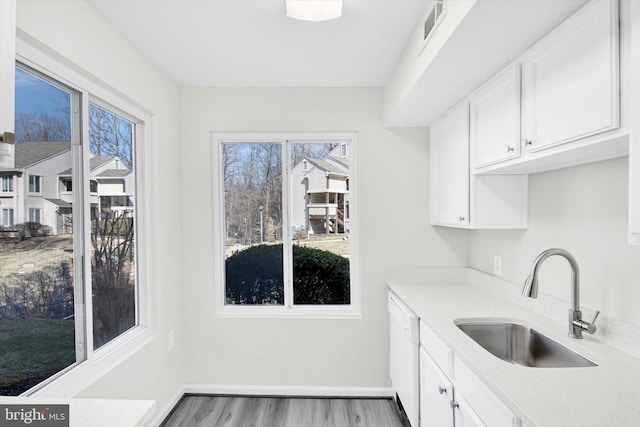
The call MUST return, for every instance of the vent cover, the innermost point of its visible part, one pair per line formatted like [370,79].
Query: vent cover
[434,15]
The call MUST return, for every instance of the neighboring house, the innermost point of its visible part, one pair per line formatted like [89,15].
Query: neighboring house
[320,192]
[39,186]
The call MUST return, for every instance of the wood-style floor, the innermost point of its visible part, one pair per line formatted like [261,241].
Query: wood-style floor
[236,411]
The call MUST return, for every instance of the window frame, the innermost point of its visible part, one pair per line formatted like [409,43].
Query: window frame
[37,211]
[10,179]
[10,211]
[37,183]
[96,363]
[288,309]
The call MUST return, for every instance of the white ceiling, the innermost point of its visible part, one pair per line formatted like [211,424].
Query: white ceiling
[253,43]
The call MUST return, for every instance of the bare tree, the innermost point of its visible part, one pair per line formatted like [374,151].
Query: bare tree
[110,134]
[41,127]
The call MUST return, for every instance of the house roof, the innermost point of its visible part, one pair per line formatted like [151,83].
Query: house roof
[94,163]
[60,203]
[32,152]
[97,161]
[341,160]
[323,164]
[114,173]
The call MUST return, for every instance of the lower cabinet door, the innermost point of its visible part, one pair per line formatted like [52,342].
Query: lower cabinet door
[436,394]
[465,416]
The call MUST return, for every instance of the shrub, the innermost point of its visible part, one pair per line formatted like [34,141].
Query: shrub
[33,229]
[255,276]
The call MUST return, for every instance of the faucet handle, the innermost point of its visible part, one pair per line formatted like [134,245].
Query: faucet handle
[588,327]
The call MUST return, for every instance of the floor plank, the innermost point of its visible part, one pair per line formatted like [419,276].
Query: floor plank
[241,411]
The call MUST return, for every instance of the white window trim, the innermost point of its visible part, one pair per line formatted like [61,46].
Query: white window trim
[97,363]
[352,310]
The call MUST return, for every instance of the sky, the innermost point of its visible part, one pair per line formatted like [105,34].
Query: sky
[36,96]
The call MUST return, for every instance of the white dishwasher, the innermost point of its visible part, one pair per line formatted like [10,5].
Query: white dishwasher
[404,356]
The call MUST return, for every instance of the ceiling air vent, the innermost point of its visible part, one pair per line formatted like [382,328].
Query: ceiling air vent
[434,15]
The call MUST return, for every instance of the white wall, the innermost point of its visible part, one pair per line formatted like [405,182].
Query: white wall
[583,210]
[394,231]
[74,31]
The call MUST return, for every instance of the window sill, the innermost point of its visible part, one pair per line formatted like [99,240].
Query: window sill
[100,362]
[252,311]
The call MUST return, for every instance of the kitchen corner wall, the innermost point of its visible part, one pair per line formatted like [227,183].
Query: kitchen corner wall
[393,226]
[581,209]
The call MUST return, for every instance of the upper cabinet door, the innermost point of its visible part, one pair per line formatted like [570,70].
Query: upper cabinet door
[449,168]
[495,119]
[571,79]
[7,72]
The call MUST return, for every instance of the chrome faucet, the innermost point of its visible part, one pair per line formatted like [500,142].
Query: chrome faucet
[576,324]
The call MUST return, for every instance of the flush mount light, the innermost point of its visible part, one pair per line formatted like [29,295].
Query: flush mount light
[314,10]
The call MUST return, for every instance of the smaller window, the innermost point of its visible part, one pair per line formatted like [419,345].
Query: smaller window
[93,186]
[7,184]
[7,217]
[35,184]
[34,215]
[343,151]
[67,185]
[305,165]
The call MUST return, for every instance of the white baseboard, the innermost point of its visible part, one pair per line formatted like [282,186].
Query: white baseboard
[166,409]
[293,391]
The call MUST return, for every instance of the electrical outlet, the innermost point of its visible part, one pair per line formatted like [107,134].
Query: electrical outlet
[497,265]
[170,340]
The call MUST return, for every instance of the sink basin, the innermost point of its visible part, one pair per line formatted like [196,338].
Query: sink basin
[522,345]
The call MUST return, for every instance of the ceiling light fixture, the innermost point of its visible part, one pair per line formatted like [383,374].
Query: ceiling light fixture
[314,10]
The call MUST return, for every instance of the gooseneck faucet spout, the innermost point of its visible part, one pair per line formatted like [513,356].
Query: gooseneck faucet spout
[576,324]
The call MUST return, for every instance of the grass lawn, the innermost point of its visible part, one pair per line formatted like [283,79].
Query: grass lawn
[33,349]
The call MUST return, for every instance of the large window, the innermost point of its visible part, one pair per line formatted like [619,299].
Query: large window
[287,224]
[113,225]
[68,296]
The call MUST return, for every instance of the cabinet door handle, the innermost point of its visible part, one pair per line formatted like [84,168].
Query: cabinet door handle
[461,219]
[526,142]
[442,390]
[454,404]
[509,149]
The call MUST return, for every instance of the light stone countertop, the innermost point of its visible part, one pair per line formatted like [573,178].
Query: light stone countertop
[603,395]
[96,412]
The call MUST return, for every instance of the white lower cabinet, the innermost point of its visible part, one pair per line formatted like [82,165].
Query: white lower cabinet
[465,416]
[451,395]
[436,394]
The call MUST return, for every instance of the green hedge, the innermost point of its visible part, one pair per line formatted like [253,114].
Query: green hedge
[255,276]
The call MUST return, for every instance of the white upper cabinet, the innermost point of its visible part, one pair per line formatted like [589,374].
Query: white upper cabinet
[571,79]
[458,199]
[449,168]
[495,119]
[7,78]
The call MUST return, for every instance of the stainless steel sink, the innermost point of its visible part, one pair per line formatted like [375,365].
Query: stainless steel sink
[522,345]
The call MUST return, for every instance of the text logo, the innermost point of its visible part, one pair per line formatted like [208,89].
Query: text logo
[34,415]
